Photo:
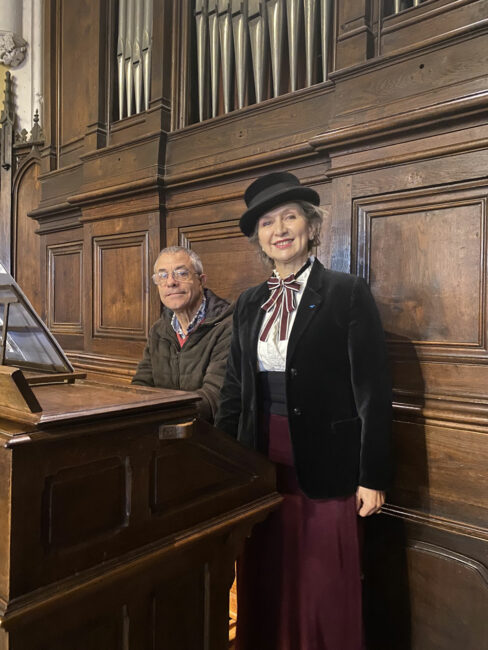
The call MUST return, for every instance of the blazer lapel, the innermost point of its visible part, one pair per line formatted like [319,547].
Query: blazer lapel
[308,307]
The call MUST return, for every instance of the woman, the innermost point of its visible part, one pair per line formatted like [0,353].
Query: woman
[307,384]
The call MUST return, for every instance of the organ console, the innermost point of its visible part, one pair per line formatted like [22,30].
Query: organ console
[121,514]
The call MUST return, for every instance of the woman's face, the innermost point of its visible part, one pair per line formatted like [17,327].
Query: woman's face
[283,234]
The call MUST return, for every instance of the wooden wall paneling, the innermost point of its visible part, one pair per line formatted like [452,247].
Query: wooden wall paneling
[123,304]
[130,166]
[100,60]
[434,575]
[425,259]
[424,23]
[164,35]
[62,261]
[65,288]
[340,224]
[49,153]
[428,585]
[450,71]
[275,132]
[440,473]
[411,211]
[78,91]
[413,169]
[354,35]
[199,200]
[120,263]
[27,243]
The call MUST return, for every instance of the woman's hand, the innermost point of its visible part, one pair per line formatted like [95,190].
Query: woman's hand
[368,501]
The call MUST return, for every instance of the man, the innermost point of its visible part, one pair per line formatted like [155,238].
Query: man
[188,346]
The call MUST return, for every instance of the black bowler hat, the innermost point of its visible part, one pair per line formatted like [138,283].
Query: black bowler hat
[269,191]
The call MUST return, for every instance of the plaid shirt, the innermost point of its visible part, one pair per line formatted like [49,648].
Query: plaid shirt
[195,322]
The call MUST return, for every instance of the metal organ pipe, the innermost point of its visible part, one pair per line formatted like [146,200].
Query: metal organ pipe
[225,32]
[201,17]
[213,27]
[293,17]
[134,48]
[275,22]
[121,56]
[239,26]
[257,35]
[236,38]
[147,50]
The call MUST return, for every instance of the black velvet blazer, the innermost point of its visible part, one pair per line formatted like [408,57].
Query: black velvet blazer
[337,384]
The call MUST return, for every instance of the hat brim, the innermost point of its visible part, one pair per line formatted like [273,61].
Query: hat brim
[248,220]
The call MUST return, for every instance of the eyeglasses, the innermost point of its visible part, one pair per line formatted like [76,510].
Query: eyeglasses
[178,275]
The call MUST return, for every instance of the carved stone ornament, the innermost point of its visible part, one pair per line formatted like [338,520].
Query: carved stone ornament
[12,49]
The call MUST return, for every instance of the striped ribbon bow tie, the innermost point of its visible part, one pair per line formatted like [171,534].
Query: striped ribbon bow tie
[281,303]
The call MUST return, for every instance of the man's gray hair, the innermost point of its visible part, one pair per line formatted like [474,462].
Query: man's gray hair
[195,260]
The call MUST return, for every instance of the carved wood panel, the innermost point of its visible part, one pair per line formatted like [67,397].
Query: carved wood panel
[426,588]
[425,259]
[69,517]
[206,476]
[120,286]
[435,574]
[64,288]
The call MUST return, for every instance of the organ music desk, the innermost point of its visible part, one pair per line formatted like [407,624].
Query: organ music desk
[121,515]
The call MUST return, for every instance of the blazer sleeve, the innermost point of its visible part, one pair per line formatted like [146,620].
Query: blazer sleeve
[230,407]
[371,385]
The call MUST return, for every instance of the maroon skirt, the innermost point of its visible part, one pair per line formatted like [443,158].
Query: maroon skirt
[298,580]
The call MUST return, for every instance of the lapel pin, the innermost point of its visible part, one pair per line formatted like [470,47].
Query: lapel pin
[311,306]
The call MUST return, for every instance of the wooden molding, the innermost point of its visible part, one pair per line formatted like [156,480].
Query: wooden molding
[442,523]
[403,123]
[427,320]
[451,410]
[57,283]
[110,286]
[98,363]
[413,49]
[46,599]
[256,161]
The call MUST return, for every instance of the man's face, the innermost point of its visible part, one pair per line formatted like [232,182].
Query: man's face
[179,295]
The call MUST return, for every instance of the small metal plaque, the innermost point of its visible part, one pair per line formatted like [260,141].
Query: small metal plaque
[175,431]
